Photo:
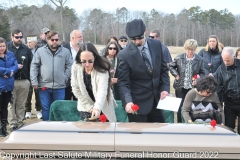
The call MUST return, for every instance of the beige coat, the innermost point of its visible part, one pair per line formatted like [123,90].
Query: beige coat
[99,86]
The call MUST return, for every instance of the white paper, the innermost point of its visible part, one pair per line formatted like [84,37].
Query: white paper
[169,103]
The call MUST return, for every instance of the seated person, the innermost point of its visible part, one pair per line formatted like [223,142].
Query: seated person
[201,104]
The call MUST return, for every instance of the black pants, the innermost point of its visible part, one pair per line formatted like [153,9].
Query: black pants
[28,105]
[5,98]
[68,93]
[231,111]
[181,94]
[155,115]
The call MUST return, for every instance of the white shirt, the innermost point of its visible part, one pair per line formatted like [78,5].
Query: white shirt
[74,53]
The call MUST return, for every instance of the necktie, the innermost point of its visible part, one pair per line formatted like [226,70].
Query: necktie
[146,60]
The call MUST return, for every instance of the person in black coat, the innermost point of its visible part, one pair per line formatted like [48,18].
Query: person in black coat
[142,75]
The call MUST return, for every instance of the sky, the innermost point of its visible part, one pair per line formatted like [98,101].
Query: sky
[166,6]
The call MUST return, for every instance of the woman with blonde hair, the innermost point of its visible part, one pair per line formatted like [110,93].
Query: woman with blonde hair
[211,55]
[183,68]
[90,81]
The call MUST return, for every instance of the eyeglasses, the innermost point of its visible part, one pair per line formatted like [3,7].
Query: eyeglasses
[123,40]
[89,61]
[139,38]
[46,33]
[112,48]
[151,37]
[17,37]
[208,92]
[54,40]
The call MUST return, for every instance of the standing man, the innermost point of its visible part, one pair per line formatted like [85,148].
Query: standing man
[50,71]
[123,41]
[76,38]
[142,75]
[32,44]
[155,34]
[228,90]
[23,54]
[43,36]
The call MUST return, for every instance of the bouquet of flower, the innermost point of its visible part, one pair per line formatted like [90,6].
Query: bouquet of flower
[112,71]
[209,67]
[23,58]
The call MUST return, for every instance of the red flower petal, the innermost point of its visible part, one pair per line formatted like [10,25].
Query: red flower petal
[195,76]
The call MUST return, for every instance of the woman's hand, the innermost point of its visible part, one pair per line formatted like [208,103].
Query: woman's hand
[190,121]
[95,113]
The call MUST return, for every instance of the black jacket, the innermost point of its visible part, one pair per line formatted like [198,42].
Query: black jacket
[20,53]
[214,58]
[177,67]
[135,83]
[228,79]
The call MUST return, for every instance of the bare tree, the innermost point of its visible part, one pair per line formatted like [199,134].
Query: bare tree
[60,4]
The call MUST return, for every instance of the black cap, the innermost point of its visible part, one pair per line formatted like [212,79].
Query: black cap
[123,37]
[135,28]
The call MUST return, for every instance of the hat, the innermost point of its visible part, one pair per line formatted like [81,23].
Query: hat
[135,28]
[44,30]
[123,37]
[32,39]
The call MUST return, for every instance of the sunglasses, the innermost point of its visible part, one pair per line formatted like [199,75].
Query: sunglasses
[123,40]
[17,37]
[89,61]
[112,48]
[151,37]
[54,40]
[139,38]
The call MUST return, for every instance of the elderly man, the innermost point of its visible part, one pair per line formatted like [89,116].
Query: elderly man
[43,36]
[155,34]
[50,71]
[228,91]
[76,38]
[123,41]
[32,44]
[16,110]
[142,75]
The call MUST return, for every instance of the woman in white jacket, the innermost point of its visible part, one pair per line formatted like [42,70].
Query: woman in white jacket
[90,81]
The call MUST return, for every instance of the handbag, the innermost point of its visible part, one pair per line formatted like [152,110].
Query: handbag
[217,116]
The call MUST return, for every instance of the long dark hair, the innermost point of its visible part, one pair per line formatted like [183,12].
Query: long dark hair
[100,64]
[106,49]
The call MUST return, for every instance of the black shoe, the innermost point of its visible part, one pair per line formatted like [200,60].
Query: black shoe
[13,128]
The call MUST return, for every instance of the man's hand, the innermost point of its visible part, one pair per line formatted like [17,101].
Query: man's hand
[163,94]
[128,107]
[114,80]
[20,66]
[177,77]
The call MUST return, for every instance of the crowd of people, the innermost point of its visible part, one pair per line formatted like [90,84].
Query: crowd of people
[133,69]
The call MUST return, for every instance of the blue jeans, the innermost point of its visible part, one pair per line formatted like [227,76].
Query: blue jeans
[47,97]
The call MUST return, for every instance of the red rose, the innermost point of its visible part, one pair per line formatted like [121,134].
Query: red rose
[195,77]
[103,118]
[135,108]
[213,123]
[44,88]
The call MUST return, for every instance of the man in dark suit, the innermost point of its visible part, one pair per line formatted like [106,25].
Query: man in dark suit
[142,75]
[76,38]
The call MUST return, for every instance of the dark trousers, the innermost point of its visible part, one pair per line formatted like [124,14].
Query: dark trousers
[28,105]
[155,115]
[181,94]
[231,111]
[5,98]
[69,94]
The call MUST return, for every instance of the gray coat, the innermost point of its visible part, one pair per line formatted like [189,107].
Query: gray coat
[51,71]
[177,67]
